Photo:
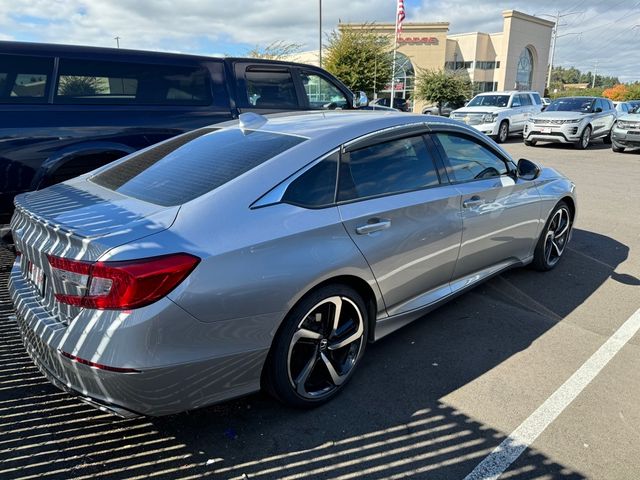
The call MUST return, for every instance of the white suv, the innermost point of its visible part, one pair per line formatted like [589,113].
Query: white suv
[499,114]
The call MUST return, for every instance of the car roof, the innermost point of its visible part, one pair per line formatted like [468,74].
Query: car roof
[54,49]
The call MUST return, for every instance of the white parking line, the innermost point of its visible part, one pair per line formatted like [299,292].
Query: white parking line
[512,447]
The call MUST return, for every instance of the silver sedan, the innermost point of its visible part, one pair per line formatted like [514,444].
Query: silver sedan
[268,253]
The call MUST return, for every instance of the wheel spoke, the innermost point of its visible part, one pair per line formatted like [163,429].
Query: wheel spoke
[350,339]
[305,333]
[335,377]
[301,379]
[337,302]
[557,248]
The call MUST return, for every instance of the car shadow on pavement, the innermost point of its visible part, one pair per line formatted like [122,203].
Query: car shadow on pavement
[390,422]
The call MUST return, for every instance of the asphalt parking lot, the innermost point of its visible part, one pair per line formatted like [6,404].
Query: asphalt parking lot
[430,401]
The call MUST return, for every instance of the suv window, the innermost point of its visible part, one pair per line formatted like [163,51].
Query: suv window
[98,82]
[316,187]
[322,94]
[270,88]
[386,168]
[24,79]
[536,98]
[470,160]
[525,99]
[515,102]
[188,166]
[599,103]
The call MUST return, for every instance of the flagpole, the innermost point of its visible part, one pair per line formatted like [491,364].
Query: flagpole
[393,70]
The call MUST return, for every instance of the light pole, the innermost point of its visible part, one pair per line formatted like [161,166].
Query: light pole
[320,32]
[117,39]
[557,17]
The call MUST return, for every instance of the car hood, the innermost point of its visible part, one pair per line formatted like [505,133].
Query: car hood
[480,109]
[630,117]
[560,115]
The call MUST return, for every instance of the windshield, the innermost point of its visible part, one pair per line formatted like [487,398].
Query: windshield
[489,101]
[193,164]
[582,105]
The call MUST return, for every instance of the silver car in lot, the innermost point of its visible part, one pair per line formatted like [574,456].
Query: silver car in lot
[626,131]
[574,120]
[268,253]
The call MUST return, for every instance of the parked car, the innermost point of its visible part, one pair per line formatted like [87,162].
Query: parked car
[499,114]
[626,131]
[447,108]
[224,259]
[65,110]
[575,120]
[623,107]
[401,104]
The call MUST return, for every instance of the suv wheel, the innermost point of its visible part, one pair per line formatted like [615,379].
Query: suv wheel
[503,132]
[530,143]
[607,139]
[585,138]
[616,148]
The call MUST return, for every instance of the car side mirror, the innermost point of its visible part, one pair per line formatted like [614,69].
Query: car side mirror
[527,170]
[598,109]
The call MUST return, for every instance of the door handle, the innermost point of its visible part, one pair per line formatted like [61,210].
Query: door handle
[373,225]
[473,202]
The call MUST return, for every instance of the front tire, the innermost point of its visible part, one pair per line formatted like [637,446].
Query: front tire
[617,149]
[554,238]
[503,132]
[530,143]
[318,347]
[585,138]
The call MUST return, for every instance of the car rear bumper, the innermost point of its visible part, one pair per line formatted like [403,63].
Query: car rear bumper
[153,391]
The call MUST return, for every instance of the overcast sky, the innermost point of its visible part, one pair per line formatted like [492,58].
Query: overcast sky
[609,34]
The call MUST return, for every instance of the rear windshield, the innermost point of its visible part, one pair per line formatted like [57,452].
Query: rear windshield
[193,164]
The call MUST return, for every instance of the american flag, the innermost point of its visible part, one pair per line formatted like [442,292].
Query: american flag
[400,18]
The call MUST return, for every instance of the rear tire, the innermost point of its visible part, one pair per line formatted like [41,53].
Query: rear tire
[318,347]
[553,239]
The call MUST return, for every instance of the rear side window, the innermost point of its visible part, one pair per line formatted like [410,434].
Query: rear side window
[316,187]
[24,79]
[525,99]
[270,88]
[93,82]
[386,168]
[178,171]
[536,98]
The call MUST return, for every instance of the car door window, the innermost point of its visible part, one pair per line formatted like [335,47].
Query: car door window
[24,79]
[469,160]
[386,168]
[515,102]
[525,99]
[270,88]
[536,99]
[322,94]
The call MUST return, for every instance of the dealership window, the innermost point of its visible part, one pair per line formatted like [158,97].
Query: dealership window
[458,65]
[23,79]
[99,82]
[481,65]
[405,78]
[481,87]
[524,73]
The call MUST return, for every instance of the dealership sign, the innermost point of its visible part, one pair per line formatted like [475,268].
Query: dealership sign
[427,40]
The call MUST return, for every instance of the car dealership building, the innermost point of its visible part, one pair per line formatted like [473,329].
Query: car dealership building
[514,59]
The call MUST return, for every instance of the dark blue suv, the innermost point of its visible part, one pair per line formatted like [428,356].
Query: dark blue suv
[65,110]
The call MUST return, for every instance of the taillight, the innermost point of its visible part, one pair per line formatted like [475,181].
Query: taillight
[119,285]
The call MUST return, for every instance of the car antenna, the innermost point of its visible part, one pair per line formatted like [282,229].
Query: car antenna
[251,121]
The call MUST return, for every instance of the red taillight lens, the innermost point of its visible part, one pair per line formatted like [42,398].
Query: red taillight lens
[119,285]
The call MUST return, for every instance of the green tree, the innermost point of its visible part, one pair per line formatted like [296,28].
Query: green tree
[360,57]
[275,51]
[72,86]
[440,86]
